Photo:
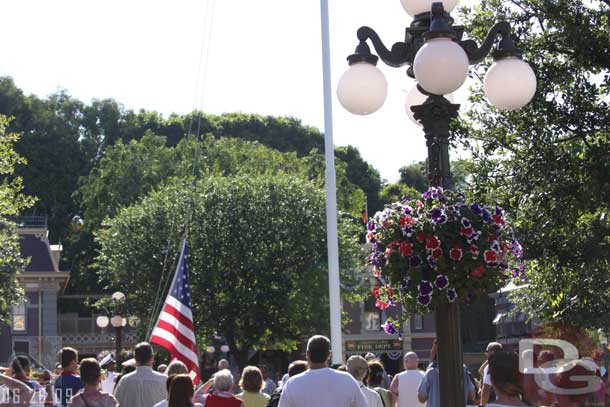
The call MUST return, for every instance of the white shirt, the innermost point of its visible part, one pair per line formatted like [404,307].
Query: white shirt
[142,388]
[322,388]
[486,376]
[408,383]
[373,399]
[108,382]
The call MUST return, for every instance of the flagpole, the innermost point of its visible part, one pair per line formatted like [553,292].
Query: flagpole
[152,328]
[331,198]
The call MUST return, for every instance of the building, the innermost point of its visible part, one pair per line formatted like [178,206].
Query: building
[510,326]
[49,319]
[34,324]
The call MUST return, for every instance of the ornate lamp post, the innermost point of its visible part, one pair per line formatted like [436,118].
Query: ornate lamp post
[438,58]
[117,321]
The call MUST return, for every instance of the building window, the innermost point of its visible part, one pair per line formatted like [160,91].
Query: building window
[418,322]
[372,316]
[19,318]
[372,321]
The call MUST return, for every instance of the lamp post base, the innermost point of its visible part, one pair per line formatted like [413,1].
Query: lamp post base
[449,356]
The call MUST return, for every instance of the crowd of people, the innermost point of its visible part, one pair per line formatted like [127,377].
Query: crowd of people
[359,383]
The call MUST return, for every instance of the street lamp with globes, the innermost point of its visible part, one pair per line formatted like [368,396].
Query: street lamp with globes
[117,321]
[438,59]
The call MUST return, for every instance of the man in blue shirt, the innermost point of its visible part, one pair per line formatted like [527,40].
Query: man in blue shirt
[428,391]
[69,383]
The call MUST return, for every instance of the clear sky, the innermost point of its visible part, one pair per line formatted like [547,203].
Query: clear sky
[262,57]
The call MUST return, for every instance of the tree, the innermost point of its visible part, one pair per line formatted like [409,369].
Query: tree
[415,176]
[548,162]
[257,256]
[394,192]
[12,202]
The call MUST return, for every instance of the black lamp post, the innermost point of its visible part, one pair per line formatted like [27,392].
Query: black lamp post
[438,58]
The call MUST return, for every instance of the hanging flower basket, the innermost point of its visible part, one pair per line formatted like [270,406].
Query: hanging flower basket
[440,249]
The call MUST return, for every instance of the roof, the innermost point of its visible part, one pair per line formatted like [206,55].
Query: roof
[38,251]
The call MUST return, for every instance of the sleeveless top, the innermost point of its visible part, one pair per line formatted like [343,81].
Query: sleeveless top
[212,400]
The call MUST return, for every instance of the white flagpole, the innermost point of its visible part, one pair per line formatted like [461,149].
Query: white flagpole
[331,198]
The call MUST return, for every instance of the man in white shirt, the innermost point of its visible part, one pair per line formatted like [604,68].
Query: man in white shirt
[108,363]
[404,387]
[320,386]
[358,368]
[144,387]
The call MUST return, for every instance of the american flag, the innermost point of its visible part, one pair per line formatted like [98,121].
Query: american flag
[174,329]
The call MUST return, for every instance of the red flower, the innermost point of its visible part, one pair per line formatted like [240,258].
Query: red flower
[376,273]
[456,253]
[498,219]
[437,253]
[376,291]
[381,305]
[490,256]
[505,247]
[406,221]
[474,251]
[467,232]
[491,238]
[388,251]
[432,243]
[421,236]
[406,249]
[478,271]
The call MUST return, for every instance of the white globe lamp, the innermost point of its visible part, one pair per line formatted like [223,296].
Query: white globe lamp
[415,7]
[510,83]
[416,98]
[224,348]
[441,66]
[362,89]
[102,321]
[118,296]
[116,321]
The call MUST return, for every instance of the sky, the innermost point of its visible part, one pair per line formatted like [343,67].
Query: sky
[258,57]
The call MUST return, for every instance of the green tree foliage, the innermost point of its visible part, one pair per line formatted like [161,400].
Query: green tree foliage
[415,176]
[394,192]
[12,202]
[548,163]
[257,256]
[64,139]
[127,172]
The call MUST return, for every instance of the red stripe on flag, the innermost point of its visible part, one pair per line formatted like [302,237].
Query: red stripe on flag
[191,366]
[177,334]
[179,316]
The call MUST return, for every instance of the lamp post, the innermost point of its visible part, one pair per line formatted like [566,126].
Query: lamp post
[438,59]
[117,321]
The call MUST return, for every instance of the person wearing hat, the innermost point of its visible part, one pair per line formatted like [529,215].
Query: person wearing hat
[108,364]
